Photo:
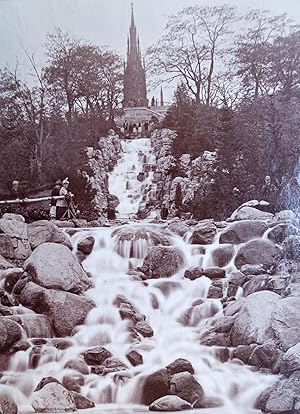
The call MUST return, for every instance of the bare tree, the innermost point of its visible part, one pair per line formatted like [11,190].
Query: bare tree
[191,45]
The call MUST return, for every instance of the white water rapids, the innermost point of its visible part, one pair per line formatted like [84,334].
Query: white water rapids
[163,302]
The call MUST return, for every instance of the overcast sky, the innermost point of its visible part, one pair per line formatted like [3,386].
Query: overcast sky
[25,23]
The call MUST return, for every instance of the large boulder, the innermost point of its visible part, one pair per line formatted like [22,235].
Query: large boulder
[65,309]
[86,245]
[290,361]
[170,403]
[162,261]
[35,326]
[96,355]
[6,246]
[155,385]
[253,321]
[180,365]
[10,333]
[258,252]
[204,232]
[185,386]
[286,322]
[53,398]
[63,273]
[44,231]
[250,213]
[282,397]
[243,231]
[16,230]
[281,231]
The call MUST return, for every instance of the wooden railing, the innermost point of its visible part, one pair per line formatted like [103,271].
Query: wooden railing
[31,200]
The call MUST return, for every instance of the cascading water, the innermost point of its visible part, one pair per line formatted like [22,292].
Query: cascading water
[163,302]
[131,180]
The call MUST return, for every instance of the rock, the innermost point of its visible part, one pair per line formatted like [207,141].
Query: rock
[208,402]
[8,406]
[170,403]
[253,270]
[4,264]
[204,232]
[10,333]
[250,213]
[263,356]
[285,396]
[215,292]
[256,284]
[81,402]
[236,280]
[251,325]
[280,232]
[73,382]
[86,245]
[258,252]
[135,358]
[144,329]
[96,355]
[14,228]
[162,262]
[222,255]
[214,272]
[185,386]
[155,386]
[224,324]
[53,398]
[44,231]
[180,365]
[63,273]
[56,305]
[178,227]
[78,365]
[46,380]
[35,326]
[291,248]
[6,247]
[11,276]
[12,216]
[193,273]
[286,322]
[212,338]
[291,360]
[243,231]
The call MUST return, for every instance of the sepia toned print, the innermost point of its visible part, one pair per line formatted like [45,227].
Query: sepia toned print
[149,206]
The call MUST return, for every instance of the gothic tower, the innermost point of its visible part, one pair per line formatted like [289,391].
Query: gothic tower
[135,93]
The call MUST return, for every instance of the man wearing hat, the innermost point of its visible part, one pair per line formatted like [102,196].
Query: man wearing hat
[63,204]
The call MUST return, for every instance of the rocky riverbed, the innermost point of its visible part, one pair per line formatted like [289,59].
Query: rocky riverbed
[173,316]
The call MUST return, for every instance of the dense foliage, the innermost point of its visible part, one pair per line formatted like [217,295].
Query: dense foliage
[45,125]
[252,115]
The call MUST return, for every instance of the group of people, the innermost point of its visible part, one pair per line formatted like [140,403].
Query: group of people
[286,197]
[134,129]
[63,207]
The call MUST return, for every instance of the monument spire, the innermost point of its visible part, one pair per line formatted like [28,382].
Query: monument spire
[134,77]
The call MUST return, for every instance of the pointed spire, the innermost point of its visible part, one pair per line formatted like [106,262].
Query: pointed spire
[161,97]
[132,16]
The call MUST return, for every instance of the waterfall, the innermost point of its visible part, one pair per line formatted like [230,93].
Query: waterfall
[163,302]
[131,179]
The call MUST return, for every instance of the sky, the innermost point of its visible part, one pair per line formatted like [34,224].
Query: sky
[24,24]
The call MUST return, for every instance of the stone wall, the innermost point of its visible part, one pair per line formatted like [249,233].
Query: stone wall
[191,175]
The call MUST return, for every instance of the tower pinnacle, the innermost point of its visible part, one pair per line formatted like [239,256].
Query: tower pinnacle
[134,77]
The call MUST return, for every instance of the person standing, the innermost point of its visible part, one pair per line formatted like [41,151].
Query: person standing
[54,193]
[15,192]
[63,204]
[269,193]
[140,129]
